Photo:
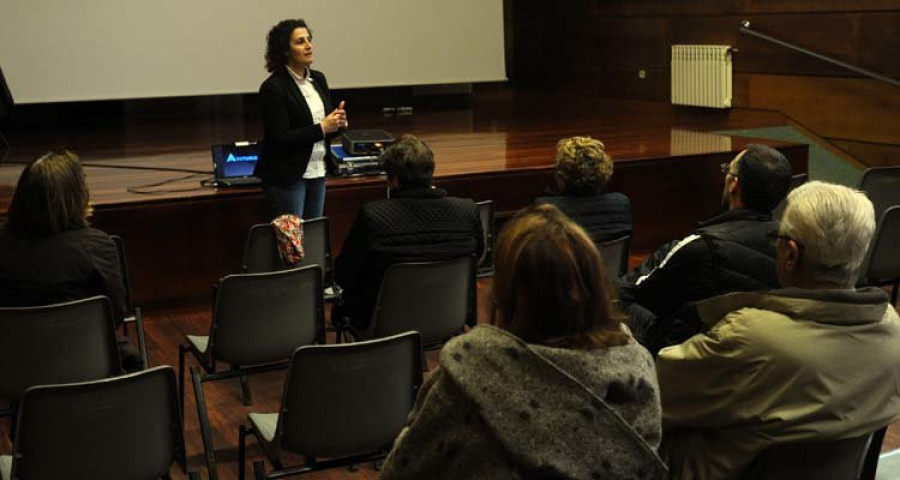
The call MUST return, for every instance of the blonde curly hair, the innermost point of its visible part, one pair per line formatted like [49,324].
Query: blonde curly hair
[583,165]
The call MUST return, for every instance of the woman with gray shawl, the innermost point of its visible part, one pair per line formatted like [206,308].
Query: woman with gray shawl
[555,387]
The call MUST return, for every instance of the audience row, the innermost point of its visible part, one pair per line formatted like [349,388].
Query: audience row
[746,334]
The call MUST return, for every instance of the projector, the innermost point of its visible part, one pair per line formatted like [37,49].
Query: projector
[366,142]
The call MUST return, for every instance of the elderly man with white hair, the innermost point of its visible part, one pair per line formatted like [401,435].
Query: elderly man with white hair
[815,360]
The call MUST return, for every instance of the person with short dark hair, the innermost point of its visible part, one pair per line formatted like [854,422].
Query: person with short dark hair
[51,254]
[816,359]
[297,127]
[727,253]
[417,222]
[555,387]
[583,169]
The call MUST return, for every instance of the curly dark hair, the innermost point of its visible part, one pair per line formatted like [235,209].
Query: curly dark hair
[278,42]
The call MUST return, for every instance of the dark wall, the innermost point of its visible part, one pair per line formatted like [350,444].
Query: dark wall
[602,47]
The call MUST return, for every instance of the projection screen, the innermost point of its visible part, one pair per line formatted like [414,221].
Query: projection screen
[65,50]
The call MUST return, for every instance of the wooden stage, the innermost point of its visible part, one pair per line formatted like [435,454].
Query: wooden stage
[182,237]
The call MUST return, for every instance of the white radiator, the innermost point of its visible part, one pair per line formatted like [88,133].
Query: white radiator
[701,75]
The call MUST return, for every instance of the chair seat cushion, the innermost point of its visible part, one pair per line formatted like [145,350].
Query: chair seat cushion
[198,342]
[265,424]
[6,467]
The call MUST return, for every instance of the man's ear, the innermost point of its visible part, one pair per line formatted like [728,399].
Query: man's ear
[792,256]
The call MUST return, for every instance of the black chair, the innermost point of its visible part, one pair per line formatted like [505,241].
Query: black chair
[486,263]
[436,299]
[261,252]
[369,389]
[259,319]
[796,181]
[882,186]
[882,264]
[126,427]
[614,254]
[135,316]
[61,343]
[844,459]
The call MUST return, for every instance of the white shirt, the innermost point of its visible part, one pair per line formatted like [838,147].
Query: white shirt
[316,166]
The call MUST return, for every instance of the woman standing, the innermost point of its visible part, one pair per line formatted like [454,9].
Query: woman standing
[294,101]
[556,388]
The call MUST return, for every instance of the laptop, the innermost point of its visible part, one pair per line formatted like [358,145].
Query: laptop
[233,164]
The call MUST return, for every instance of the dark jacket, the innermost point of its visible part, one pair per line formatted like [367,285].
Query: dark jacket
[499,408]
[732,252]
[604,216]
[75,264]
[413,225]
[288,129]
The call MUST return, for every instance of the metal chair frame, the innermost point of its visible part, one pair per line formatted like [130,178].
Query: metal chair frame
[208,359]
[265,232]
[59,312]
[136,317]
[96,389]
[487,212]
[311,464]
[622,262]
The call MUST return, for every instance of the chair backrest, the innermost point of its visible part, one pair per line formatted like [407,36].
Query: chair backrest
[614,254]
[883,259]
[61,343]
[123,265]
[317,246]
[261,250]
[796,181]
[882,186]
[262,318]
[821,460]
[126,427]
[370,388]
[435,299]
[486,214]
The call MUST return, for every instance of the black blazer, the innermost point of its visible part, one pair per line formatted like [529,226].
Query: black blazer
[288,129]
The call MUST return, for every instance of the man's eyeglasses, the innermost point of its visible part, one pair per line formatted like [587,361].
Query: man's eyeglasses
[775,236]
[726,169]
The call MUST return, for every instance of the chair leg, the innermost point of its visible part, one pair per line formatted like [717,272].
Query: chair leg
[243,431]
[895,288]
[245,391]
[181,350]
[142,341]
[204,424]
[259,471]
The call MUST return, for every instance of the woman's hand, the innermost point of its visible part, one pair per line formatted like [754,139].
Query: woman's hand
[335,120]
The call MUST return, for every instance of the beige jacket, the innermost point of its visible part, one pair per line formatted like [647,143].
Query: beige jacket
[785,366]
[498,408]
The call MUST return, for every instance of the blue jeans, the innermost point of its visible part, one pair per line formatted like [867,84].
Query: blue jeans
[305,198]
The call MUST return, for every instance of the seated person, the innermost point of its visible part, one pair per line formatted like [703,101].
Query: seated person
[417,222]
[727,253]
[50,252]
[816,360]
[583,168]
[555,387]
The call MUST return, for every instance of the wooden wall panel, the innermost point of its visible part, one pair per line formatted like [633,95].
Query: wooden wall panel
[844,108]
[872,154]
